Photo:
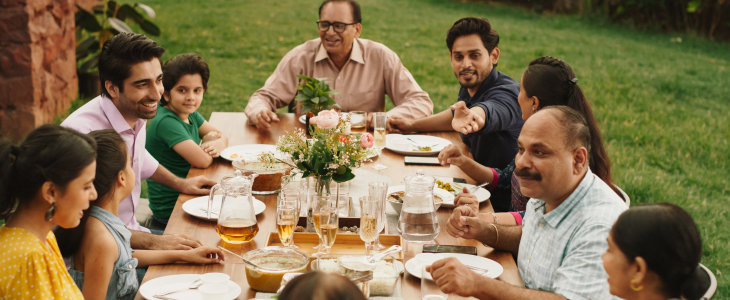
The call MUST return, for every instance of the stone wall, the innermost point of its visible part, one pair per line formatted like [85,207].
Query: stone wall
[37,63]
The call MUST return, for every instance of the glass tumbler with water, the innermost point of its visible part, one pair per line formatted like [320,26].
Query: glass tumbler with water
[418,221]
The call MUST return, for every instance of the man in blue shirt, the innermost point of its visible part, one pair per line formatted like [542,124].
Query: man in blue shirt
[568,219]
[487,98]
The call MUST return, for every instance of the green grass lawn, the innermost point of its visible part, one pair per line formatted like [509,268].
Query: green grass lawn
[662,106]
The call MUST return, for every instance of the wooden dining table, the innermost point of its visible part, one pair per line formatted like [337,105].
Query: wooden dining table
[234,125]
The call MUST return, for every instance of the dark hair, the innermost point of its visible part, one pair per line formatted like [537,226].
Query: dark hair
[666,237]
[111,153]
[473,25]
[321,286]
[356,16]
[111,158]
[553,82]
[181,65]
[49,153]
[574,125]
[120,53]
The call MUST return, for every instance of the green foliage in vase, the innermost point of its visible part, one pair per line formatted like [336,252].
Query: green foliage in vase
[315,95]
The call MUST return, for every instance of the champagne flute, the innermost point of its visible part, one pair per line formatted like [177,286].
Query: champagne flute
[379,190]
[379,121]
[286,220]
[292,198]
[318,202]
[328,226]
[369,216]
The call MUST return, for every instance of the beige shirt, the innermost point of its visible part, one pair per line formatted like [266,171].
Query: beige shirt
[372,72]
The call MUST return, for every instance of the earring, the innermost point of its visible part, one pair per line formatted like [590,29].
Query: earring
[533,110]
[635,288]
[50,212]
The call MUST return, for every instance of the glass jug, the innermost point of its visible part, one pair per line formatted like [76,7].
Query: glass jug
[418,221]
[237,218]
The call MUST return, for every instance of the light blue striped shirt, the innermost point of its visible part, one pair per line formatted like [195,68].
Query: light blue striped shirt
[560,252]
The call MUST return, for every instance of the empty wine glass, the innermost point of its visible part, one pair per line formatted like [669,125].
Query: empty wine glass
[369,217]
[379,121]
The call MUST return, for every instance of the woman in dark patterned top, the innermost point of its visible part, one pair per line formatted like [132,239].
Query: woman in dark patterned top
[547,81]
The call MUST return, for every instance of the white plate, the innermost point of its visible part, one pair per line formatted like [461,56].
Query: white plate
[481,193]
[444,194]
[495,269]
[303,119]
[166,283]
[437,144]
[246,151]
[198,207]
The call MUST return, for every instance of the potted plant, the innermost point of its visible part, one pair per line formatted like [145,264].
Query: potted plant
[314,96]
[93,29]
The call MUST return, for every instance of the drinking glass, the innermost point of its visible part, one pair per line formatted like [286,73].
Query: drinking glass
[369,217]
[343,202]
[429,289]
[358,121]
[319,202]
[293,198]
[379,190]
[328,227]
[286,220]
[379,119]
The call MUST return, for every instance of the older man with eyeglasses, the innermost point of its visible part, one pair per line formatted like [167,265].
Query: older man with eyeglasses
[362,71]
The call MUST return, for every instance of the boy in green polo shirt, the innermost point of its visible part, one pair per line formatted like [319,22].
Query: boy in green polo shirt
[174,135]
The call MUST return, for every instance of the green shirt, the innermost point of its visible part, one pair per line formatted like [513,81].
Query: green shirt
[164,131]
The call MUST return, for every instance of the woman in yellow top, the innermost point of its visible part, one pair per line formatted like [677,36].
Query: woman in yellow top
[46,181]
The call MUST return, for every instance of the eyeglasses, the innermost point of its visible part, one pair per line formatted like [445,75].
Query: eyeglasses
[339,26]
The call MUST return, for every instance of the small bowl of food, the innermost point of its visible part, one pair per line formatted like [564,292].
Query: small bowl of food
[270,175]
[271,265]
[396,198]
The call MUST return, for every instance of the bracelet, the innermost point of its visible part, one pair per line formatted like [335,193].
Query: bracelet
[493,216]
[496,231]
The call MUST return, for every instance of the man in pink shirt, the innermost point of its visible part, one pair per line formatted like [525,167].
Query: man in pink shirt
[130,70]
[362,71]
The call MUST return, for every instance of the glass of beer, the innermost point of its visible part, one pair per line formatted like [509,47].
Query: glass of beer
[369,218]
[359,121]
[286,220]
[379,121]
[328,226]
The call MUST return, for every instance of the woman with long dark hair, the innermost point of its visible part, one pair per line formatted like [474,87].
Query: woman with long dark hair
[654,252]
[547,81]
[47,181]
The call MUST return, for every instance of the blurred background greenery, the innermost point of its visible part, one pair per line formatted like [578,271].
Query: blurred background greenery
[661,100]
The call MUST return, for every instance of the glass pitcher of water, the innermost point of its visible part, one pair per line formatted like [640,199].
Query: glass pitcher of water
[237,218]
[418,221]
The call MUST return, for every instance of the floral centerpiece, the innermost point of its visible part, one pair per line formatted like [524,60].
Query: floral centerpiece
[330,155]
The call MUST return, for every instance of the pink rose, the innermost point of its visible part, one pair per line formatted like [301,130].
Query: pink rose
[367,140]
[327,119]
[313,120]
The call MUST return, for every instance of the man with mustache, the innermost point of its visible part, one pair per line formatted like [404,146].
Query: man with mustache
[362,71]
[568,219]
[130,71]
[487,98]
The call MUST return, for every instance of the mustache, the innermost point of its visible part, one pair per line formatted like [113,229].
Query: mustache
[527,174]
[468,71]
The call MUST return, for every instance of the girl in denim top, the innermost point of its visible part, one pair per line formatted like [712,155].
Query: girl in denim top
[104,265]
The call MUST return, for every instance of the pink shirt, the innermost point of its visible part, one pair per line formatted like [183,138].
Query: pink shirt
[101,113]
[372,72]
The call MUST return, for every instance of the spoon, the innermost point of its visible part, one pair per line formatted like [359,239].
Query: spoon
[241,257]
[474,189]
[363,278]
[197,283]
[377,257]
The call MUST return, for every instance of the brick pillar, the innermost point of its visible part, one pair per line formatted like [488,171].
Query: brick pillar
[37,63]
